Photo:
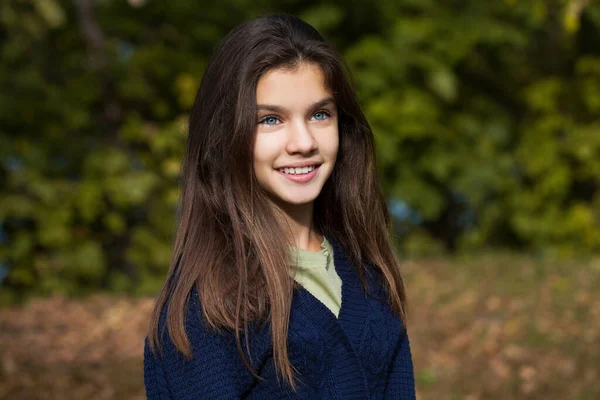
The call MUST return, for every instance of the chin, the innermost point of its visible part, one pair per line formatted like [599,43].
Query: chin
[296,200]
[301,202]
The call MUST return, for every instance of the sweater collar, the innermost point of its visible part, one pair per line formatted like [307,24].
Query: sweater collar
[353,316]
[347,330]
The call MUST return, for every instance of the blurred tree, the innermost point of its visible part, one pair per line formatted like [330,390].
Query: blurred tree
[93,107]
[485,114]
[486,118]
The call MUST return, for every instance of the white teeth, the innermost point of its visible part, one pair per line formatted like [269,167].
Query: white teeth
[297,171]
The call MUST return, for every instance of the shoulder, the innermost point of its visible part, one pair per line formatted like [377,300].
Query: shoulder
[202,337]
[214,370]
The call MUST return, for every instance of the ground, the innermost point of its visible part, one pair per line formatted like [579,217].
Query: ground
[485,327]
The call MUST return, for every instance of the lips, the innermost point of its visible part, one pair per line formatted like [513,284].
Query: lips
[301,164]
[302,177]
[298,170]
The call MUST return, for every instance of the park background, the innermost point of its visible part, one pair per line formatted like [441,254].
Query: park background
[487,122]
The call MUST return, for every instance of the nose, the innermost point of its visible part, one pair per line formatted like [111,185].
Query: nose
[301,139]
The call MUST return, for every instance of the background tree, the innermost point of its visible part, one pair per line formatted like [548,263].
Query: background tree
[486,116]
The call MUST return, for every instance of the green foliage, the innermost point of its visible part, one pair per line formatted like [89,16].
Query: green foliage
[502,112]
[491,109]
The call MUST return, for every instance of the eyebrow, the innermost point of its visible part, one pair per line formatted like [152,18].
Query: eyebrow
[321,103]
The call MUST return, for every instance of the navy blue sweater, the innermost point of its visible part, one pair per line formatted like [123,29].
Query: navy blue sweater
[363,354]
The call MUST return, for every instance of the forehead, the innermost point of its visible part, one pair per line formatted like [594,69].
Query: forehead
[292,87]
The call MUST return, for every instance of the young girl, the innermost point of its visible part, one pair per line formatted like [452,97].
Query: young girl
[284,282]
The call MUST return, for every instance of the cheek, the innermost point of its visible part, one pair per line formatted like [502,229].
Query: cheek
[265,151]
[332,143]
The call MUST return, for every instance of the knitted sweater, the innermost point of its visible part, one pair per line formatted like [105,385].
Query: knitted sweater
[363,354]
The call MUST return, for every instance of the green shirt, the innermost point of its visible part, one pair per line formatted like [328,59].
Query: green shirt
[315,271]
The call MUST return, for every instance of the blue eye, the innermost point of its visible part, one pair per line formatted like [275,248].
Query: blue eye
[321,115]
[269,121]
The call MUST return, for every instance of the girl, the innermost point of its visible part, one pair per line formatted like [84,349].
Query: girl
[284,282]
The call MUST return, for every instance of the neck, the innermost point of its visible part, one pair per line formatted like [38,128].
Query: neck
[299,221]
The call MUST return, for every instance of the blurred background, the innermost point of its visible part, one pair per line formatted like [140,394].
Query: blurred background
[487,122]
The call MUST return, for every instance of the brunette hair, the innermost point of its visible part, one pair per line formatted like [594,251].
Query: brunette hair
[229,243]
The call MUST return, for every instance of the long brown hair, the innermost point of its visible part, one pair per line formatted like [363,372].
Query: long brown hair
[229,243]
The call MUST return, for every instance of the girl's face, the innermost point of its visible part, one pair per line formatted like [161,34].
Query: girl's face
[296,134]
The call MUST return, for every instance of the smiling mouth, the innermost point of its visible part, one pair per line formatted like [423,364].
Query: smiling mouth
[299,170]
